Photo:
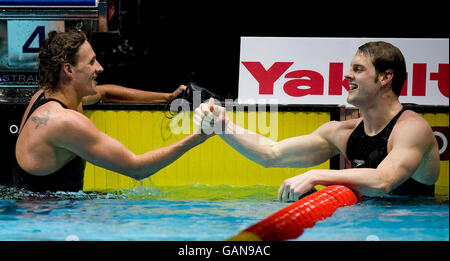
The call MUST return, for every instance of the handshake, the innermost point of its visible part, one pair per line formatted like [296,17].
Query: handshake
[210,118]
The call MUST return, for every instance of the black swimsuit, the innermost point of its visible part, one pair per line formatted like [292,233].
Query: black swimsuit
[68,178]
[365,151]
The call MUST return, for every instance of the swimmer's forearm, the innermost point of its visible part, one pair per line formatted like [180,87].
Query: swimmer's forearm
[120,94]
[252,145]
[295,152]
[365,181]
[151,162]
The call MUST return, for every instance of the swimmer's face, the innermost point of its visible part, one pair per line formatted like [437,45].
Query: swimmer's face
[363,81]
[86,70]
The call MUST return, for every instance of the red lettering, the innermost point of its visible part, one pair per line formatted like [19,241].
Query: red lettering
[336,81]
[266,78]
[419,79]
[404,91]
[315,83]
[442,77]
[308,82]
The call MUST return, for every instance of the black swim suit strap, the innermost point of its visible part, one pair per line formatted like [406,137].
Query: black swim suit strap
[398,115]
[391,124]
[41,100]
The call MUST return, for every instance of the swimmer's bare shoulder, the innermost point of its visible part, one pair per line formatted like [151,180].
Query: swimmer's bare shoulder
[79,135]
[413,133]
[35,149]
[412,126]
[73,127]
[43,123]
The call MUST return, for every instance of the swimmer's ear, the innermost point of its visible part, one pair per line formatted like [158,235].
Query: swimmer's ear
[67,67]
[386,77]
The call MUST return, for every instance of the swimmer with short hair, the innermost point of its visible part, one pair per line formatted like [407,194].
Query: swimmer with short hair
[56,139]
[392,150]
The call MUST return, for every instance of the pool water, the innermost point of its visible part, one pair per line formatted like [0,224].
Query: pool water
[387,219]
[204,213]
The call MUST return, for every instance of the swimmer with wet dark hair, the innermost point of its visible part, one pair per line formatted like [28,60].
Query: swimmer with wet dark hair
[56,139]
[392,150]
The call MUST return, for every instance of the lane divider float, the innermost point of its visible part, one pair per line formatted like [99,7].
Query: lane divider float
[291,221]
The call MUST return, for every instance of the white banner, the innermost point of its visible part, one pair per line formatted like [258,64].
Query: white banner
[311,70]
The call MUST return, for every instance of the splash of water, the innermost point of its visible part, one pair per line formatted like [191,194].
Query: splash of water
[146,190]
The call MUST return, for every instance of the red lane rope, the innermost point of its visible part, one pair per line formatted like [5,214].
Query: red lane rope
[291,221]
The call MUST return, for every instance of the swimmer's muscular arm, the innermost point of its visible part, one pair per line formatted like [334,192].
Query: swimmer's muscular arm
[119,94]
[79,135]
[410,143]
[298,152]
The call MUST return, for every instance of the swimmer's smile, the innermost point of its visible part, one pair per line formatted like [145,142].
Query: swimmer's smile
[353,86]
[94,79]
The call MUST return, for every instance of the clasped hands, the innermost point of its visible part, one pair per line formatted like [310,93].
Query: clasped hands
[210,118]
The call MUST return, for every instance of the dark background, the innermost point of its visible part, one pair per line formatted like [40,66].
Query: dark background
[173,43]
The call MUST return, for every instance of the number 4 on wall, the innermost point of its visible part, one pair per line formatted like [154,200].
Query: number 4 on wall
[40,32]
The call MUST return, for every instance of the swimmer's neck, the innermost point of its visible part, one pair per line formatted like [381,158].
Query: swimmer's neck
[67,95]
[377,116]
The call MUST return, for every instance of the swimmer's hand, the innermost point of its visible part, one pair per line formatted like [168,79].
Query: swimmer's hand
[210,118]
[177,92]
[293,188]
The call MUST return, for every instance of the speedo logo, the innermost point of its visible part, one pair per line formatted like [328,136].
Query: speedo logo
[359,162]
